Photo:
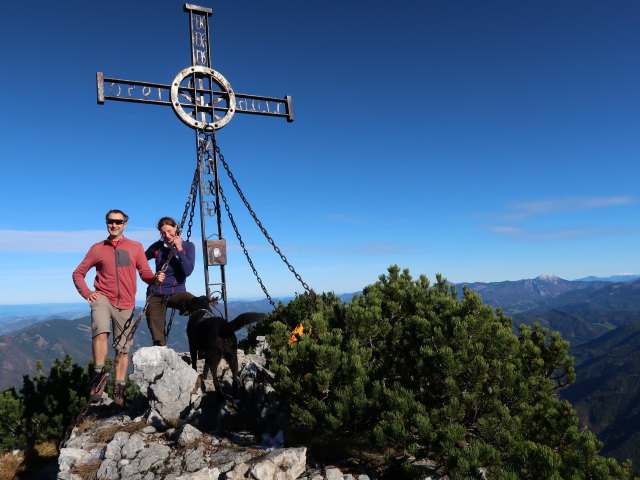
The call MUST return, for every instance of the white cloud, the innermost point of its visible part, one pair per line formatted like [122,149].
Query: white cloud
[374,248]
[362,221]
[51,241]
[341,218]
[504,229]
[535,208]
[522,233]
[21,241]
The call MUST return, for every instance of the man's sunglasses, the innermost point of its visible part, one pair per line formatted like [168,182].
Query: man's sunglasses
[117,221]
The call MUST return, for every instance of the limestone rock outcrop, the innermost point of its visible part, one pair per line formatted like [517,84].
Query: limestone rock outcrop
[166,381]
[186,433]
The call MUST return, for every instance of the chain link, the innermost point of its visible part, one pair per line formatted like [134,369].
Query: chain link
[244,248]
[191,203]
[258,222]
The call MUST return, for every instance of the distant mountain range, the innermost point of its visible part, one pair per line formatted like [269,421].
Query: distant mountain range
[599,316]
[16,317]
[520,295]
[607,390]
[622,277]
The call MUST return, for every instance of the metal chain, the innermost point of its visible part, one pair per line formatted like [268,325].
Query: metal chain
[191,203]
[244,248]
[166,334]
[101,378]
[258,222]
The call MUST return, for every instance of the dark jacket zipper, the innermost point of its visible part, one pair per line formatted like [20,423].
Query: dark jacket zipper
[115,254]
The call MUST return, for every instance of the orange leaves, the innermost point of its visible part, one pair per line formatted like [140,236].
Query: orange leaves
[297,332]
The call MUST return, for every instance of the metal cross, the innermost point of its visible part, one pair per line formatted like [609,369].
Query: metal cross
[204,100]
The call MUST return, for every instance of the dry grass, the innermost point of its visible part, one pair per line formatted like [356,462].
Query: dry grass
[86,424]
[134,427]
[203,441]
[10,465]
[87,471]
[47,451]
[104,435]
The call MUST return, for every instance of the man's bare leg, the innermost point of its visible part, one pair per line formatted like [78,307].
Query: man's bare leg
[100,347]
[121,368]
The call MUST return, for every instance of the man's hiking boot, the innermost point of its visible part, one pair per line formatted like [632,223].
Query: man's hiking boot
[118,395]
[98,385]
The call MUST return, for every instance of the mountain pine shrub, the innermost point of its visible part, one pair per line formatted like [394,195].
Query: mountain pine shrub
[12,423]
[52,403]
[409,367]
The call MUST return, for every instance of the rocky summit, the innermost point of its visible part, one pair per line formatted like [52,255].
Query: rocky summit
[180,431]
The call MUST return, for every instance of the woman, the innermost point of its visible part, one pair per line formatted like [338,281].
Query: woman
[172,291]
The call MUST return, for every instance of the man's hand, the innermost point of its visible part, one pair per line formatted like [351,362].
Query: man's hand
[93,296]
[160,277]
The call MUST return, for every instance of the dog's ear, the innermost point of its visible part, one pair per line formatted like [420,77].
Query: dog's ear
[199,303]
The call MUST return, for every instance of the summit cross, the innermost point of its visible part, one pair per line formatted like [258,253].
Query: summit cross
[200,96]
[205,101]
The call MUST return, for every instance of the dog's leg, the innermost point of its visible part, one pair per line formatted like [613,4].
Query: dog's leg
[193,352]
[199,385]
[232,359]
[214,358]
[205,371]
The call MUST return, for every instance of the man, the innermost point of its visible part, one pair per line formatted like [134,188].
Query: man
[112,301]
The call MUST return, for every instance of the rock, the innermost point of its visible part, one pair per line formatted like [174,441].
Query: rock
[197,436]
[333,474]
[68,476]
[69,456]
[204,474]
[133,446]
[261,346]
[189,434]
[238,473]
[281,464]
[166,380]
[114,448]
[194,459]
[427,470]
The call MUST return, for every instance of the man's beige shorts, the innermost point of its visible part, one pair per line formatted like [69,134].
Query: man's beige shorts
[103,314]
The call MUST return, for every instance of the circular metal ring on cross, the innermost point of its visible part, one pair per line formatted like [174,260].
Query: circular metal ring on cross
[194,94]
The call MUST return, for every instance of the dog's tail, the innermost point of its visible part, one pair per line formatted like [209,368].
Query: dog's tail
[245,319]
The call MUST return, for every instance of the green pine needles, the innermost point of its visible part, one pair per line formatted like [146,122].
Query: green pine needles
[46,405]
[409,367]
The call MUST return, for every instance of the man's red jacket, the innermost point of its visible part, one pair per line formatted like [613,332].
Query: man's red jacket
[115,271]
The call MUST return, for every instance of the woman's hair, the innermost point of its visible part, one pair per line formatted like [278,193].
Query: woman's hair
[168,221]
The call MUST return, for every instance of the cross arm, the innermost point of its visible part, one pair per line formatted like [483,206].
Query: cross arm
[159,94]
[131,91]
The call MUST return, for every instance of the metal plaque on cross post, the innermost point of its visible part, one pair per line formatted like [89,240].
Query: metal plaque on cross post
[204,100]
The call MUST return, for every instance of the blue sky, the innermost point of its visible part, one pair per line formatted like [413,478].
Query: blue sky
[486,141]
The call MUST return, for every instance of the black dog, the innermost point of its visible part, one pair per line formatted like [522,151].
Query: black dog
[212,338]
